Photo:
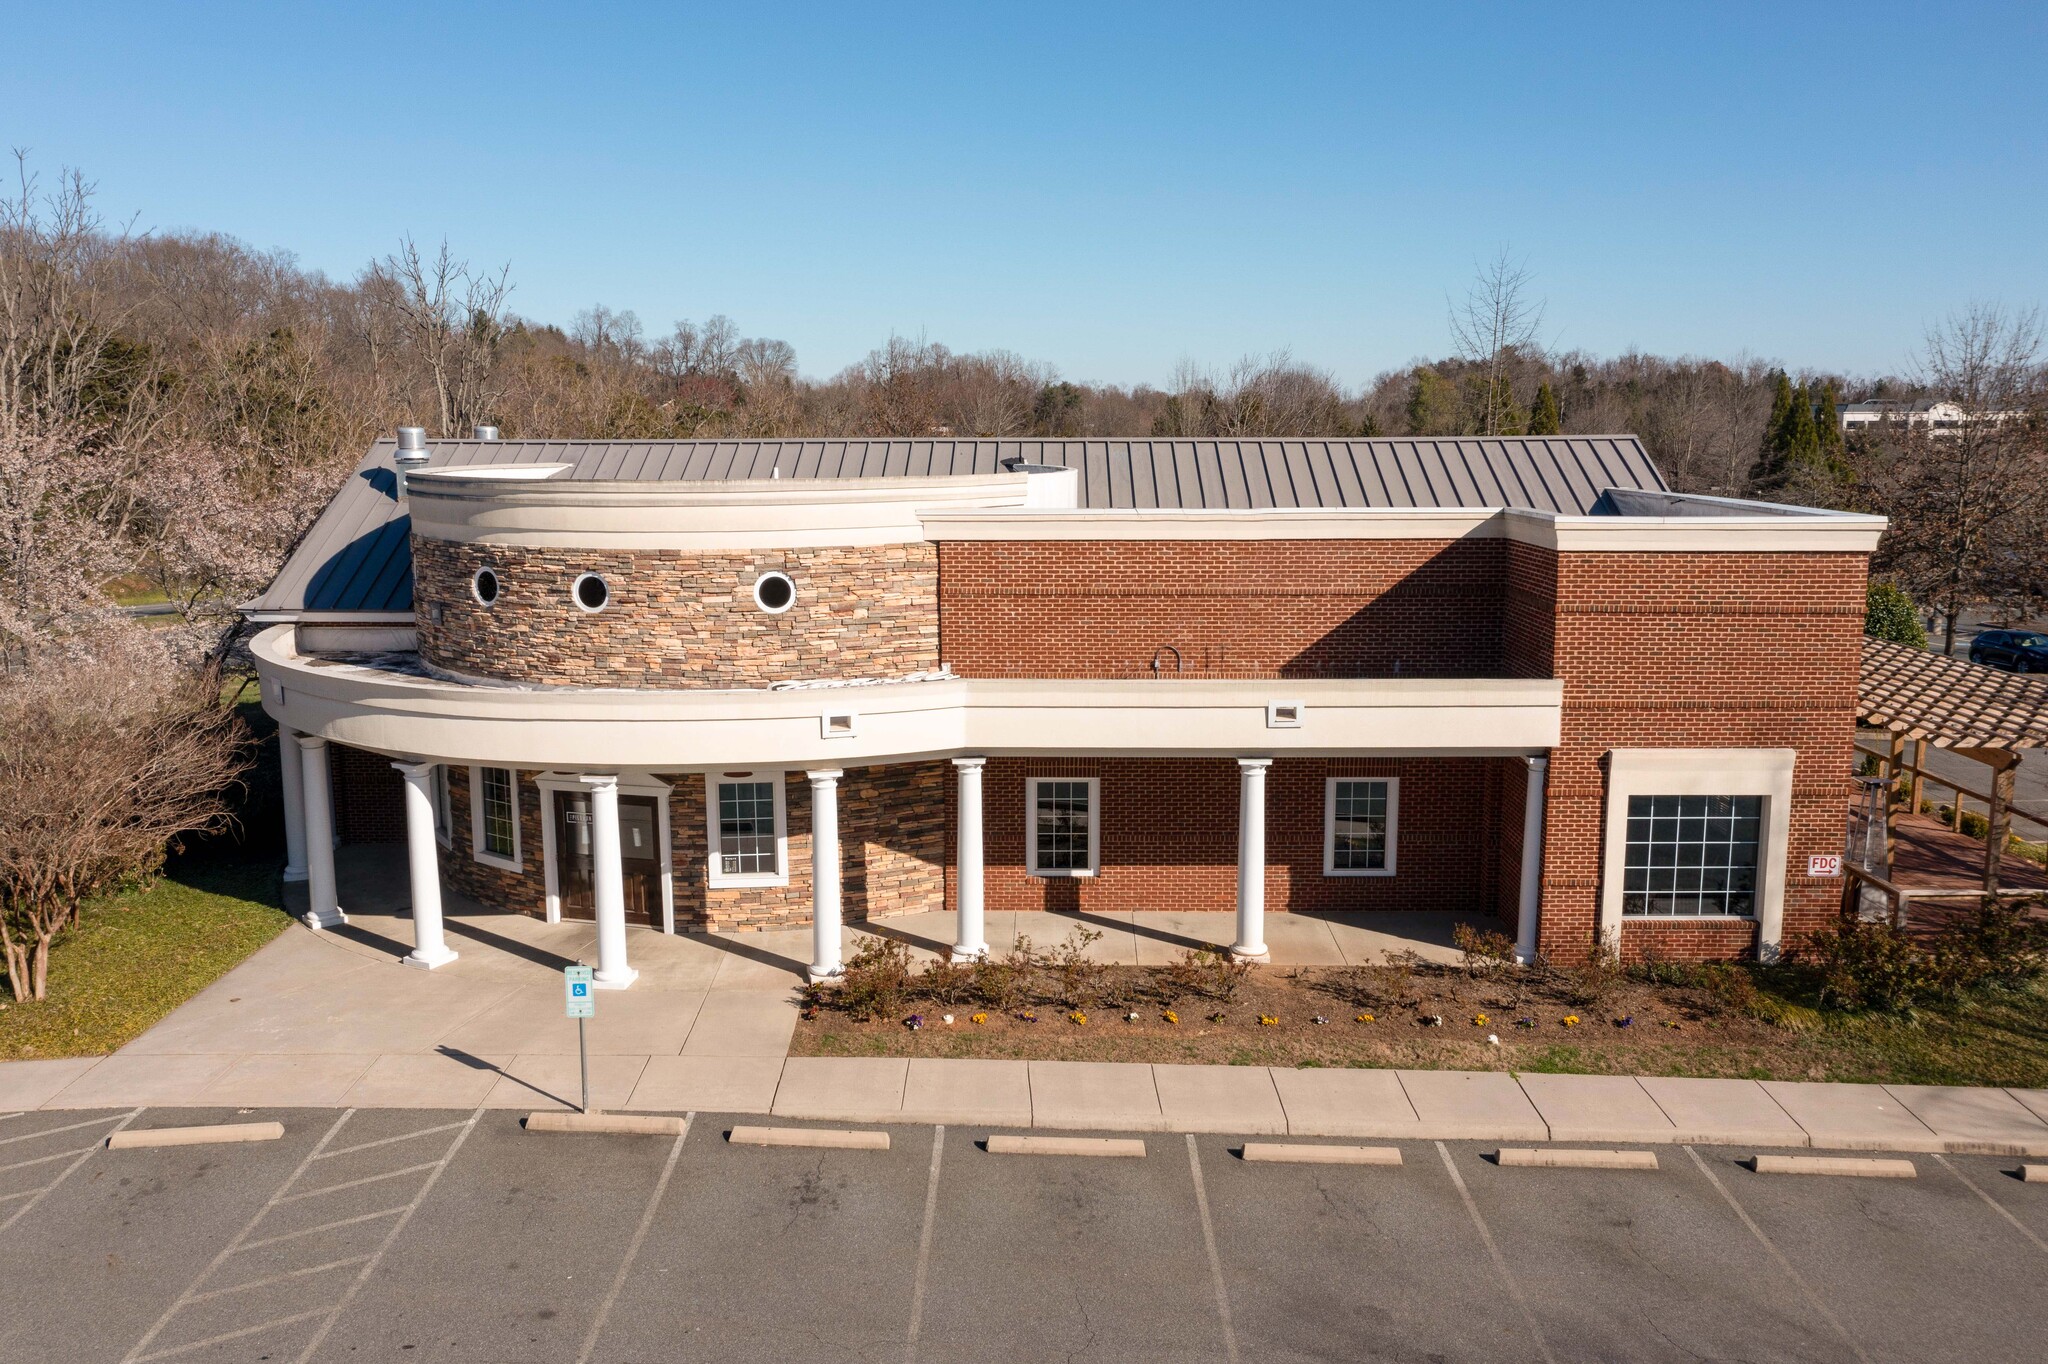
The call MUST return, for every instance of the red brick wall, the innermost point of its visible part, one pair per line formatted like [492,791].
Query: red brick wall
[369,796]
[1274,608]
[1684,651]
[1168,837]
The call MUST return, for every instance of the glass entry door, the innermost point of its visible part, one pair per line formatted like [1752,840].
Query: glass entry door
[639,857]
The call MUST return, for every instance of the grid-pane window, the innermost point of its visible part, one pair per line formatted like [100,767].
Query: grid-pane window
[1692,855]
[499,810]
[1062,824]
[746,828]
[1359,827]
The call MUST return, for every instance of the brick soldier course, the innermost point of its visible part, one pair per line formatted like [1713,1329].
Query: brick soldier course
[1201,673]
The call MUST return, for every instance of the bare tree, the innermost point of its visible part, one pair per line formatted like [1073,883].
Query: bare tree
[1497,322]
[456,319]
[106,759]
[1968,502]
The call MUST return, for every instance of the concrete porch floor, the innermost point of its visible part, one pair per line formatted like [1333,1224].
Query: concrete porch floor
[333,1018]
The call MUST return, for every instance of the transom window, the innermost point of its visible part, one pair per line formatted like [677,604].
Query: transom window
[1062,837]
[1359,824]
[494,815]
[747,835]
[1692,855]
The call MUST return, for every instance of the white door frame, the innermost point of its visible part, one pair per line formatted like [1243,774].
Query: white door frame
[630,784]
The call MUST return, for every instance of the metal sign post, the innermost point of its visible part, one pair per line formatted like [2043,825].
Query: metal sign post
[582,1001]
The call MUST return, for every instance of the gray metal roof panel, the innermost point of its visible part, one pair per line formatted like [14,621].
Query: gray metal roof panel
[356,557]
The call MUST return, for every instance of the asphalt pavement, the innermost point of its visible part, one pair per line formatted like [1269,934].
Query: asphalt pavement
[455,1235]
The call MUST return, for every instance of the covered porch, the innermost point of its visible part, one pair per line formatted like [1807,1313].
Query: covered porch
[1933,870]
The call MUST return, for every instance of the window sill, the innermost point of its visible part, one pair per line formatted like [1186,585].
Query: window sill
[1688,918]
[746,882]
[501,863]
[1074,874]
[1335,875]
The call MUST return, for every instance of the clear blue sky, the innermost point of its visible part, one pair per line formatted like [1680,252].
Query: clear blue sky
[1106,187]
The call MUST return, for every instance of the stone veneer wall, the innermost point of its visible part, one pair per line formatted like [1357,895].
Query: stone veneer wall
[678,618]
[892,843]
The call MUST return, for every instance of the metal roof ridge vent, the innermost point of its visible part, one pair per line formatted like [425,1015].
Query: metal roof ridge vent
[411,452]
[486,433]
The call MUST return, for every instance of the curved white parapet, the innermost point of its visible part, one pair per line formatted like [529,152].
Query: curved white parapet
[383,704]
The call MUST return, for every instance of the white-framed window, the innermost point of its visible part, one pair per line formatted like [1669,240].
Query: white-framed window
[444,821]
[494,816]
[1063,825]
[1361,825]
[1692,856]
[749,829]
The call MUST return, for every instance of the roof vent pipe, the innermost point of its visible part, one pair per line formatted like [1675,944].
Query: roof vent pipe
[487,433]
[411,452]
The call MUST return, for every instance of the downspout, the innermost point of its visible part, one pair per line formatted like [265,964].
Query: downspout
[1532,861]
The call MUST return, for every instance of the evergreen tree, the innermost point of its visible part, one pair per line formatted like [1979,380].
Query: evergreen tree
[1544,418]
[1829,420]
[1889,614]
[1769,470]
[1433,407]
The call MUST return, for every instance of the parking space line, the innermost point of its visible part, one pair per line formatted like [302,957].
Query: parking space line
[25,1193]
[1215,1260]
[28,1207]
[390,1141]
[390,1237]
[1812,1298]
[358,1183]
[1500,1262]
[324,1226]
[924,1245]
[53,1131]
[136,1355]
[226,1336]
[45,1160]
[611,1298]
[1994,1205]
[278,1278]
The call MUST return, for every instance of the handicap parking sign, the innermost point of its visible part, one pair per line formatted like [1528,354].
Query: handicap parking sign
[582,996]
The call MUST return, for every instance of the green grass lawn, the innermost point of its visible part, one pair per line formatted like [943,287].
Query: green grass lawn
[138,956]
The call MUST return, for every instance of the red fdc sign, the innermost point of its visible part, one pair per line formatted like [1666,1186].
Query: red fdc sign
[1824,864]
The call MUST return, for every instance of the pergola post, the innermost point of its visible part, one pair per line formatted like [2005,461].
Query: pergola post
[2000,819]
[1919,762]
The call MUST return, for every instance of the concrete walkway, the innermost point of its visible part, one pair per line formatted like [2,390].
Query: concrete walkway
[332,1019]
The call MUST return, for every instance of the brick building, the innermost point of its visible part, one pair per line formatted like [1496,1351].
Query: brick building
[731,685]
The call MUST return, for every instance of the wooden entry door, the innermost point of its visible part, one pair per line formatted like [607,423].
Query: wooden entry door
[639,857]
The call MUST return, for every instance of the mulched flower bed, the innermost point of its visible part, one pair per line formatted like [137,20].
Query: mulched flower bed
[1402,1014]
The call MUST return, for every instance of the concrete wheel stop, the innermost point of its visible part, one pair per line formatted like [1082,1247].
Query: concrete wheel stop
[615,1124]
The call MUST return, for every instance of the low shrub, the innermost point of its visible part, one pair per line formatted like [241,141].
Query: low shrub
[876,982]
[1593,979]
[1870,965]
[1207,973]
[1074,976]
[1487,952]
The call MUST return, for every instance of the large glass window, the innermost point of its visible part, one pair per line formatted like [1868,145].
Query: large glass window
[748,836]
[1359,825]
[1062,836]
[1692,855]
[494,819]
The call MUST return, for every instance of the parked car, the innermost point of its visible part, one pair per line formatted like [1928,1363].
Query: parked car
[2020,651]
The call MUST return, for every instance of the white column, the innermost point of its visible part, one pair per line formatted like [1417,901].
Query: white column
[1532,862]
[608,885]
[825,963]
[1251,860]
[322,909]
[970,937]
[294,804]
[429,944]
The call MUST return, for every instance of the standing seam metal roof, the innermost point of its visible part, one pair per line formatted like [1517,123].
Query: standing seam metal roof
[357,557]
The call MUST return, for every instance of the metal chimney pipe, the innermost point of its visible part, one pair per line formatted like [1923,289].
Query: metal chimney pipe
[487,433]
[411,452]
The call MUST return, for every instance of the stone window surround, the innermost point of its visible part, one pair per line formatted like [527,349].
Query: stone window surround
[514,863]
[1765,772]
[776,779]
[630,784]
[1330,867]
[1031,867]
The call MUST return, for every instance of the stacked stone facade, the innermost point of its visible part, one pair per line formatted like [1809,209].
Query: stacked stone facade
[677,618]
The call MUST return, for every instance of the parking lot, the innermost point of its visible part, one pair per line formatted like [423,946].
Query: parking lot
[408,1235]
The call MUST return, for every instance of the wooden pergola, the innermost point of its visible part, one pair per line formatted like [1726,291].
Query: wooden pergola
[1974,712]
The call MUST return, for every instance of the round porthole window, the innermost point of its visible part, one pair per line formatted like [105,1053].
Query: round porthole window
[484,586]
[774,593]
[591,593]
